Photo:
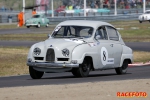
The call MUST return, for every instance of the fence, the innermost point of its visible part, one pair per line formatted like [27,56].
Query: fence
[123,14]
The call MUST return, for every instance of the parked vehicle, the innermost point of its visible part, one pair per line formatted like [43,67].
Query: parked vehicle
[145,16]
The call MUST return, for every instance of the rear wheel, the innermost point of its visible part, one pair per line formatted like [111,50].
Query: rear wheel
[83,70]
[38,25]
[123,68]
[34,73]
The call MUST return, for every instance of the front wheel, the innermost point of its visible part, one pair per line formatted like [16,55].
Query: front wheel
[47,25]
[34,73]
[28,26]
[83,70]
[123,68]
[140,21]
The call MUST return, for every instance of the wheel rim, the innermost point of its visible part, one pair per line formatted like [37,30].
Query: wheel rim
[38,25]
[46,25]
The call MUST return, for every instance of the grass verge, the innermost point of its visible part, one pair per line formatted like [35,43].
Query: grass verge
[13,60]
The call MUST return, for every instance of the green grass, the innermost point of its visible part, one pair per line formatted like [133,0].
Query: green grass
[9,26]
[13,60]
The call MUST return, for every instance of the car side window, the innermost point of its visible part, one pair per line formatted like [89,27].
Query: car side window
[101,33]
[112,33]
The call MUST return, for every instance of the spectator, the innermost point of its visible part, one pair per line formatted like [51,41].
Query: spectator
[70,7]
[11,9]
[33,12]
[20,19]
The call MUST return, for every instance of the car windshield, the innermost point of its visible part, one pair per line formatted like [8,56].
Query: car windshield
[36,16]
[72,32]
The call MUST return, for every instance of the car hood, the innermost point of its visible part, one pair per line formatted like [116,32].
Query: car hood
[60,44]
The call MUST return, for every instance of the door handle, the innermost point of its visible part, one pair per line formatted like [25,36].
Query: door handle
[112,45]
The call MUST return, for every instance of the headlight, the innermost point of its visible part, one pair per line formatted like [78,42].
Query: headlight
[37,51]
[65,52]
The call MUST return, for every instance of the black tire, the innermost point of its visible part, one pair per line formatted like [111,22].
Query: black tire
[28,26]
[123,68]
[34,73]
[83,70]
[140,21]
[47,24]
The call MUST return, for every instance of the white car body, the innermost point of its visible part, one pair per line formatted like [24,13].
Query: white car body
[145,16]
[71,48]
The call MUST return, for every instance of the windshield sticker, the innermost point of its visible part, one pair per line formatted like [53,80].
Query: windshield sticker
[74,40]
[57,28]
[104,57]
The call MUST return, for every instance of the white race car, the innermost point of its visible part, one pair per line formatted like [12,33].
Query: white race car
[145,16]
[80,46]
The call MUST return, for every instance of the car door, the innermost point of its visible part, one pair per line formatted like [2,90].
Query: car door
[116,46]
[43,20]
[105,52]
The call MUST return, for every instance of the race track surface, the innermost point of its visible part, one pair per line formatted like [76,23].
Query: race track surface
[141,72]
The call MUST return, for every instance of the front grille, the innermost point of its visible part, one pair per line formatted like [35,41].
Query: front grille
[50,55]
[38,58]
[62,59]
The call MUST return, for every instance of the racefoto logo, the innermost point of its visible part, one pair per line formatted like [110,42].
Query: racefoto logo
[132,94]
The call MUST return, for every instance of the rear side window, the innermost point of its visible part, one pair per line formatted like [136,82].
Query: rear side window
[112,33]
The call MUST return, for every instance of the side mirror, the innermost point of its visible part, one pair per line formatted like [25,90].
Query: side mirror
[98,37]
[49,36]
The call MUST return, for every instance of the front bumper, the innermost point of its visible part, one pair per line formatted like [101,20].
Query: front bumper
[52,65]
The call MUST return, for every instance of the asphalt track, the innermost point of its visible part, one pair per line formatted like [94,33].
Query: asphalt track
[140,72]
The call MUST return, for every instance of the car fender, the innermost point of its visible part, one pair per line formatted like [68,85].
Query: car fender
[83,50]
[127,53]
[39,45]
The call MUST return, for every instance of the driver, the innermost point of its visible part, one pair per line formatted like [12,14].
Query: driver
[90,31]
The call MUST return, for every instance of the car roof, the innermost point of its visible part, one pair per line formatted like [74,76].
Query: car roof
[89,23]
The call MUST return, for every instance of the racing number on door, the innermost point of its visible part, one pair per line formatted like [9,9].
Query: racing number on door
[104,55]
